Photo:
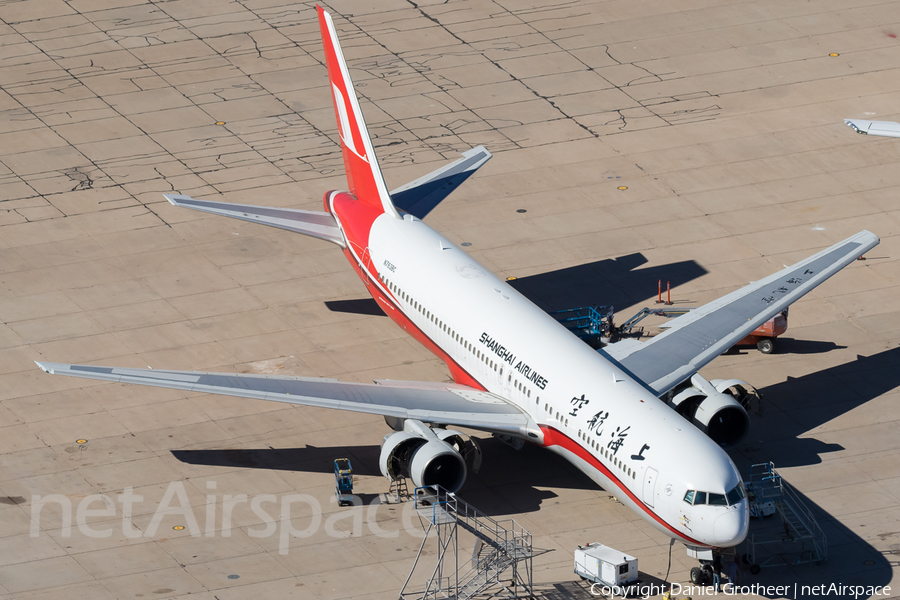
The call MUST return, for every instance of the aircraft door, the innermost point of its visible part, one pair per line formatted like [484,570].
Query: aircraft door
[505,375]
[650,486]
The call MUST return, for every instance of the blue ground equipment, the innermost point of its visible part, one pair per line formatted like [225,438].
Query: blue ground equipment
[343,481]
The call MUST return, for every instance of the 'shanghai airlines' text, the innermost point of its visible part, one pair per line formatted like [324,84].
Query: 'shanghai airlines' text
[506,355]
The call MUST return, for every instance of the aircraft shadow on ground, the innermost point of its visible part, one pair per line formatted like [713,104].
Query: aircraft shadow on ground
[785,345]
[795,407]
[800,404]
[852,561]
[508,481]
[611,282]
[310,459]
[522,472]
[358,306]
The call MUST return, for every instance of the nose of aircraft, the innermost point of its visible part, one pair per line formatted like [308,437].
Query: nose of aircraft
[730,529]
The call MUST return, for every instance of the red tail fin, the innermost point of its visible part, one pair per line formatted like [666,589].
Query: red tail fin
[363,174]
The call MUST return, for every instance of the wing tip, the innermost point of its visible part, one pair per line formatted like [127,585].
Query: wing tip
[866,238]
[476,151]
[45,367]
[854,126]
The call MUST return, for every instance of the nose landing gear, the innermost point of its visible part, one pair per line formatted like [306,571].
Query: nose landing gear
[710,569]
[702,575]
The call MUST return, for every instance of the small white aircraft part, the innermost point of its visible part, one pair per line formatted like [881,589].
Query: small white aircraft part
[882,128]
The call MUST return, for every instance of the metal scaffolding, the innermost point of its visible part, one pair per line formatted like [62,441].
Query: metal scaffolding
[500,548]
[795,537]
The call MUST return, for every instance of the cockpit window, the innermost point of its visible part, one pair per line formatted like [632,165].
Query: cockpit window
[734,496]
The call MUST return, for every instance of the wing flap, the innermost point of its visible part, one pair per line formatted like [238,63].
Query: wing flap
[419,197]
[317,224]
[701,335]
[449,404]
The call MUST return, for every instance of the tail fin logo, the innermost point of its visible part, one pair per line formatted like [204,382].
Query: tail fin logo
[346,132]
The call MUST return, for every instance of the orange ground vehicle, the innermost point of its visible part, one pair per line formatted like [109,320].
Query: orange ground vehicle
[594,324]
[764,335]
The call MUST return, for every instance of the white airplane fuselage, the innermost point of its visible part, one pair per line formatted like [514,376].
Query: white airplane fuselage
[588,410]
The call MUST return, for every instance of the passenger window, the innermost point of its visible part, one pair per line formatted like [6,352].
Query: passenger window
[689,496]
[700,498]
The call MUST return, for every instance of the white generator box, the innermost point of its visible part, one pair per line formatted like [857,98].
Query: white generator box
[605,565]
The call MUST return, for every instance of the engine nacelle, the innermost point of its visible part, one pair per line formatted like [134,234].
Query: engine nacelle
[718,409]
[419,453]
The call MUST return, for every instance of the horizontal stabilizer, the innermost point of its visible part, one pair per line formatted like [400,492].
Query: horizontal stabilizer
[308,222]
[449,404]
[419,197]
[883,128]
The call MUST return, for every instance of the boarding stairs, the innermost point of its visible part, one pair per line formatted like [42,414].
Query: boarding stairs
[794,537]
[501,547]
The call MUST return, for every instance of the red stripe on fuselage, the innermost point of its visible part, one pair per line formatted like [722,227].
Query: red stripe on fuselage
[555,437]
[356,221]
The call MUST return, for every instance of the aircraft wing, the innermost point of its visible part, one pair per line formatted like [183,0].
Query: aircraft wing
[696,338]
[882,128]
[308,222]
[419,197]
[447,404]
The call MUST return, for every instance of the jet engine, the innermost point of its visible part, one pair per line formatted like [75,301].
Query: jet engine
[425,455]
[718,408]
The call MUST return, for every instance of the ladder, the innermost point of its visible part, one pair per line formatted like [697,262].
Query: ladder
[399,489]
[500,547]
[795,537]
